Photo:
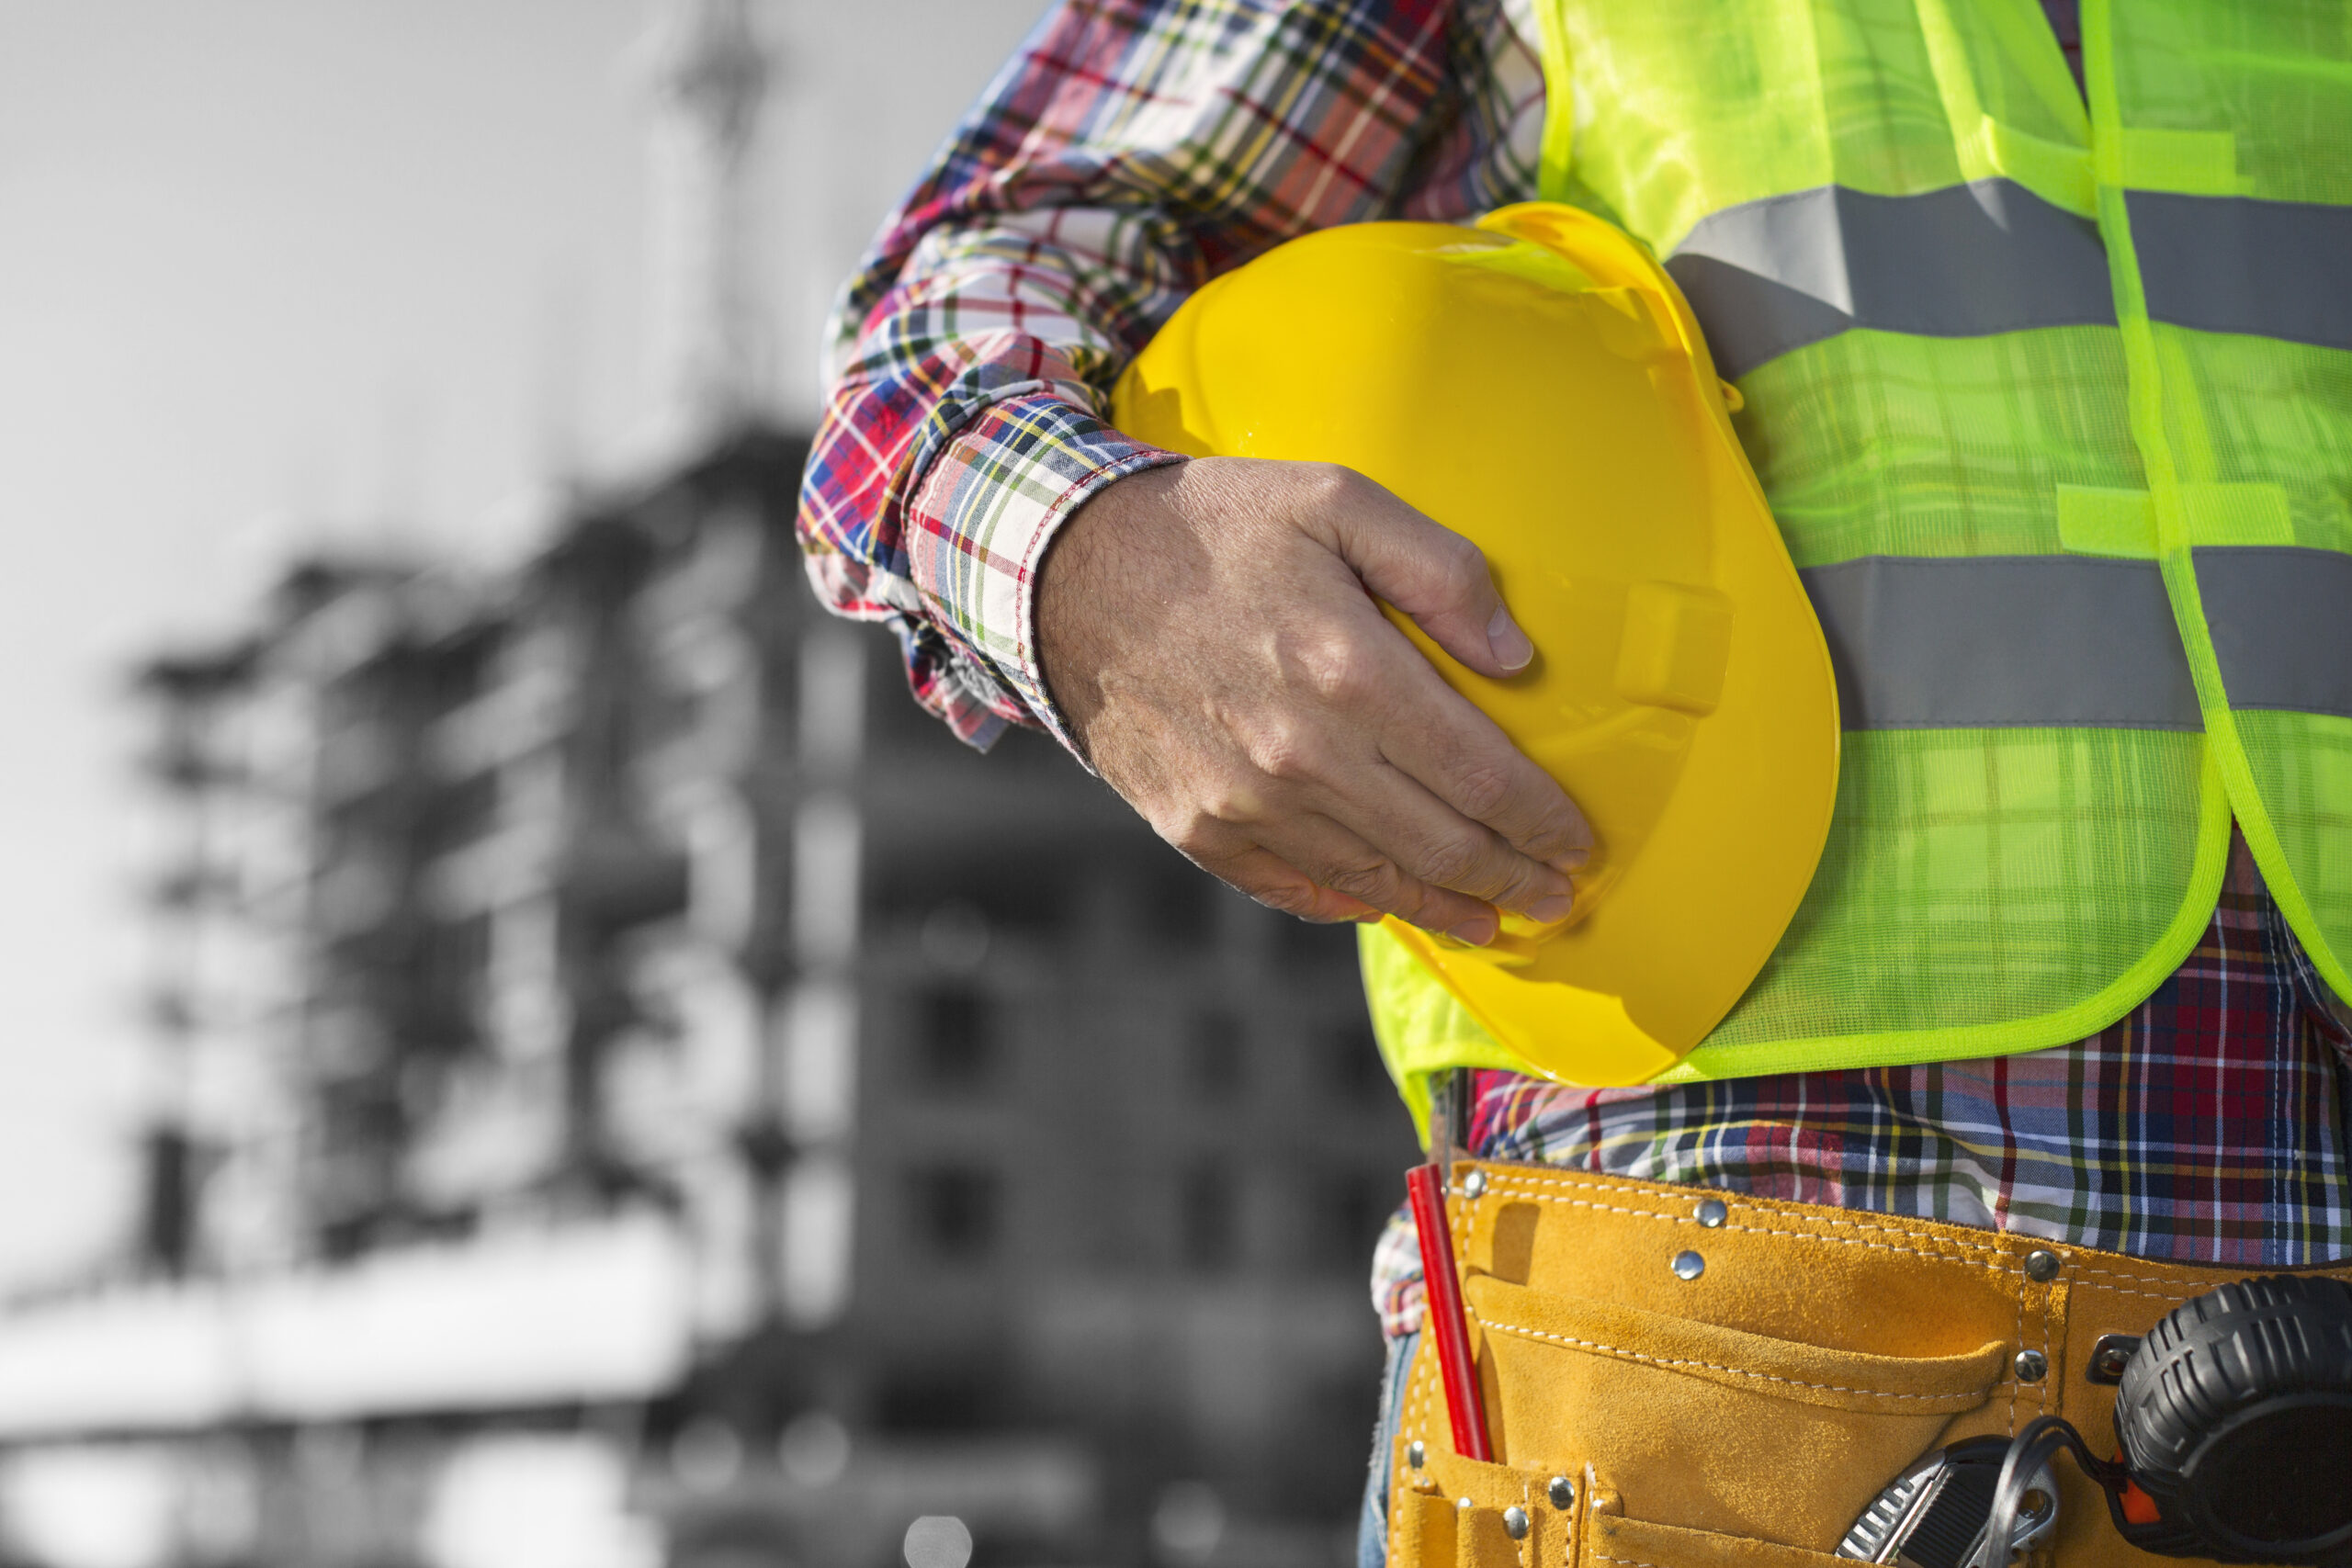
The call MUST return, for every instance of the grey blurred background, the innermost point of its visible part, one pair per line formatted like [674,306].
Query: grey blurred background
[524,1049]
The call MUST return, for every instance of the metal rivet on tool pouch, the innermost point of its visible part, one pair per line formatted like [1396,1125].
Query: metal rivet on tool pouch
[1562,1491]
[1712,1213]
[2110,1356]
[1515,1522]
[2041,1264]
[1474,1184]
[1689,1265]
[2032,1366]
[1415,1454]
[1463,1504]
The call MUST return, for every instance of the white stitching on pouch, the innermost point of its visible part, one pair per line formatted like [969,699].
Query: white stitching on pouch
[1526,1187]
[1717,1367]
[2049,1361]
[2012,1380]
[1529,1185]
[1418,1398]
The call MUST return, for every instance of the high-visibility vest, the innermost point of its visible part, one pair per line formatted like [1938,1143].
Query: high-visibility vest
[2054,411]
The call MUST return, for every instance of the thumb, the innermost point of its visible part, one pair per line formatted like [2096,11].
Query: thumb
[1438,577]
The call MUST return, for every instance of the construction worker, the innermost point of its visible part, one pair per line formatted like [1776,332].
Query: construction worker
[2064,1009]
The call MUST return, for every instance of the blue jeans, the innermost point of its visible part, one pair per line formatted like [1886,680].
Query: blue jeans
[1372,1526]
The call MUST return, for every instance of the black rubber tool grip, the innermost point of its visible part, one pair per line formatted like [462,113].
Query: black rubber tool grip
[2235,1418]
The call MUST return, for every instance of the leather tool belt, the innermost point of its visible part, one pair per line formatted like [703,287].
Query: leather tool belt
[1677,1378]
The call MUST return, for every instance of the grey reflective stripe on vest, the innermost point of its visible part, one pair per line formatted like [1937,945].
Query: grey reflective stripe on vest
[1997,642]
[2281,620]
[1967,261]
[2279,269]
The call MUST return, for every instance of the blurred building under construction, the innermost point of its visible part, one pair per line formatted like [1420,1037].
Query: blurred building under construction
[618,1060]
[629,1089]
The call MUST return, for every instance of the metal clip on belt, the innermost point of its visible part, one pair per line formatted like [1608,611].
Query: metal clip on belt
[2234,1422]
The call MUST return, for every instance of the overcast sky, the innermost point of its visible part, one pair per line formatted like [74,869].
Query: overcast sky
[282,270]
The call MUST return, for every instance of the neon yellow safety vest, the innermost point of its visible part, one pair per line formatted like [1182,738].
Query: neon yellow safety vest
[2054,410]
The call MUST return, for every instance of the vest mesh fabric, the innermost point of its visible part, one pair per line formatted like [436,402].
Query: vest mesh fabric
[1999,889]
[2246,436]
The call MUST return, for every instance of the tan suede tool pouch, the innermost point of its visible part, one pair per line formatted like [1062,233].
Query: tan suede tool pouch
[1677,1378]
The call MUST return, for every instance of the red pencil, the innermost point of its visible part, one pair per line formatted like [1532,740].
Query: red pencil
[1447,1326]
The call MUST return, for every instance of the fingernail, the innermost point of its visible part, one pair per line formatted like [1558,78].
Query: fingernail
[1551,907]
[1511,648]
[1476,932]
[1573,860]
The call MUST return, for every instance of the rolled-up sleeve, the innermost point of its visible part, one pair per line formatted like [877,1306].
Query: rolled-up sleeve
[1131,150]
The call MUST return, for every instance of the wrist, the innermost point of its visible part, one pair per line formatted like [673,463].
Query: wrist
[981,516]
[1084,585]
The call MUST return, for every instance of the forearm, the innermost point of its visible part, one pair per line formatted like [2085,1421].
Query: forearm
[967,426]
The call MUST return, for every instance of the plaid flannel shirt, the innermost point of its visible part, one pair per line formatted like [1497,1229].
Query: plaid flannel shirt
[1135,149]
[1132,151]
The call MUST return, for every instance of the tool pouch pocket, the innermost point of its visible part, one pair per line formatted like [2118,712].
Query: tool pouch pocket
[1614,1540]
[1687,1444]
[1470,1524]
[1456,1513]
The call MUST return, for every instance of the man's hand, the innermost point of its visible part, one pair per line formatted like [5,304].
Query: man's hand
[1208,629]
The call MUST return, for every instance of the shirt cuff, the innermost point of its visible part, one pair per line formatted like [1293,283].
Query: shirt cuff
[1398,1291]
[981,520]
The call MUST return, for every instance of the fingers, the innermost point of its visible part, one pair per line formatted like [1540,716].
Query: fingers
[1441,579]
[1278,884]
[1386,705]
[1465,760]
[1367,680]
[1440,847]
[1319,870]
[1432,574]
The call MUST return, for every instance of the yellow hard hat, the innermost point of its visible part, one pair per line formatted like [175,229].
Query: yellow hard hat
[1538,385]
